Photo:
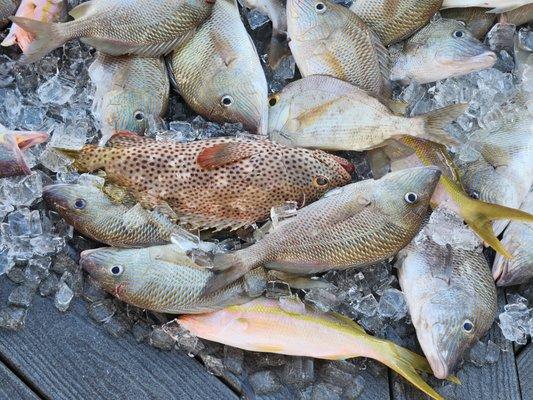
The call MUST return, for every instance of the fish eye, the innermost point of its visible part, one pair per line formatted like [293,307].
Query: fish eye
[272,101]
[320,181]
[320,8]
[458,34]
[411,198]
[468,326]
[117,270]
[80,204]
[226,101]
[138,115]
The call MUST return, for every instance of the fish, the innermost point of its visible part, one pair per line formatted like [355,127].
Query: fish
[476,19]
[329,39]
[496,6]
[143,27]
[518,238]
[262,325]
[358,225]
[449,292]
[393,20]
[7,9]
[131,92]
[163,279]
[95,215]
[40,10]
[12,144]
[323,112]
[277,13]
[220,183]
[519,16]
[442,49]
[219,74]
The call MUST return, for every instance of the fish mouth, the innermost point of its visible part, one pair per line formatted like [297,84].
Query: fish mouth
[347,165]
[438,366]
[486,59]
[53,195]
[90,260]
[15,143]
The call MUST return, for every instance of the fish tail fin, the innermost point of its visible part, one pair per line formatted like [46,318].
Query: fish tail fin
[277,49]
[48,36]
[88,159]
[436,121]
[228,268]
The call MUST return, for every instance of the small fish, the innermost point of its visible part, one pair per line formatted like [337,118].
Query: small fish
[218,183]
[142,27]
[326,113]
[450,295]
[95,215]
[12,144]
[518,238]
[443,49]
[519,16]
[39,10]
[358,225]
[162,279]
[497,6]
[131,91]
[219,74]
[329,39]
[262,325]
[394,20]
[277,12]
[7,9]
[477,20]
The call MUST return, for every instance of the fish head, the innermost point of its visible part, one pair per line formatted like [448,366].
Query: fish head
[313,20]
[328,171]
[12,162]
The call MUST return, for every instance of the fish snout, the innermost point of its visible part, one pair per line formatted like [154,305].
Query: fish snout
[438,366]
[55,196]
[344,163]
[92,260]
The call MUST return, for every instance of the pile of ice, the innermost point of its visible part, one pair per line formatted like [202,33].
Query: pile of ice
[516,321]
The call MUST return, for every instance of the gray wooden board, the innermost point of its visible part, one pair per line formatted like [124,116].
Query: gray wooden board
[66,356]
[524,364]
[12,388]
[489,382]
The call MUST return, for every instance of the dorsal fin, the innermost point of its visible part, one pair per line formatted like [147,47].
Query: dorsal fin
[81,10]
[223,154]
[125,139]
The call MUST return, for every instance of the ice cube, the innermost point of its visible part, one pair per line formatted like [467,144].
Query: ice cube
[185,340]
[54,161]
[68,137]
[515,325]
[501,37]
[256,19]
[213,364]
[91,180]
[367,305]
[160,339]
[292,304]
[323,299]
[180,131]
[55,91]
[64,296]
[102,311]
[392,304]
[49,285]
[265,382]
[13,318]
[280,213]
[21,296]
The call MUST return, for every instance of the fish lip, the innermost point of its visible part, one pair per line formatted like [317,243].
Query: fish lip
[30,139]
[18,141]
[347,165]
[438,366]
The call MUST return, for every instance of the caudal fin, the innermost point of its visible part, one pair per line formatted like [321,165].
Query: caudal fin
[277,49]
[436,121]
[48,37]
[228,268]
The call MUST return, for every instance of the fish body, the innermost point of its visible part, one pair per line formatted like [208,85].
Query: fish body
[95,215]
[131,91]
[328,39]
[323,112]
[477,20]
[497,6]
[358,225]
[262,325]
[218,183]
[518,238]
[449,292]
[219,74]
[394,20]
[442,49]
[146,28]
[520,16]
[12,144]
[161,279]
[39,10]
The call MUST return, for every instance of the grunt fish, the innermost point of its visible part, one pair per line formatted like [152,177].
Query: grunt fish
[95,215]
[394,20]
[449,292]
[131,92]
[358,225]
[476,19]
[218,183]
[262,325]
[142,27]
[218,72]
[164,279]
[12,144]
[443,49]
[326,113]
[497,6]
[518,238]
[328,39]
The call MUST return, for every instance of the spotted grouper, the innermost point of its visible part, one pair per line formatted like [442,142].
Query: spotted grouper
[218,183]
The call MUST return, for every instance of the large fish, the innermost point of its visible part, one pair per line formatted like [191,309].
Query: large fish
[131,92]
[449,292]
[95,215]
[477,20]
[442,49]
[518,238]
[164,279]
[497,6]
[262,325]
[12,144]
[394,20]
[356,226]
[218,183]
[329,39]
[326,113]
[218,72]
[142,27]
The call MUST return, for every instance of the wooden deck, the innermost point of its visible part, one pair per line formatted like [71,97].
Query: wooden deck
[67,356]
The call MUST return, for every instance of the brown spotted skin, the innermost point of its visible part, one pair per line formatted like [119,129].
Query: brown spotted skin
[218,183]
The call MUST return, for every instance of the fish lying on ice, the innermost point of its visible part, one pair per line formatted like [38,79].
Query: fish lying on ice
[12,144]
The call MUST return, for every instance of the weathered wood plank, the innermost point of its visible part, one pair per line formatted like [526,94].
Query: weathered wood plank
[524,364]
[12,388]
[66,356]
